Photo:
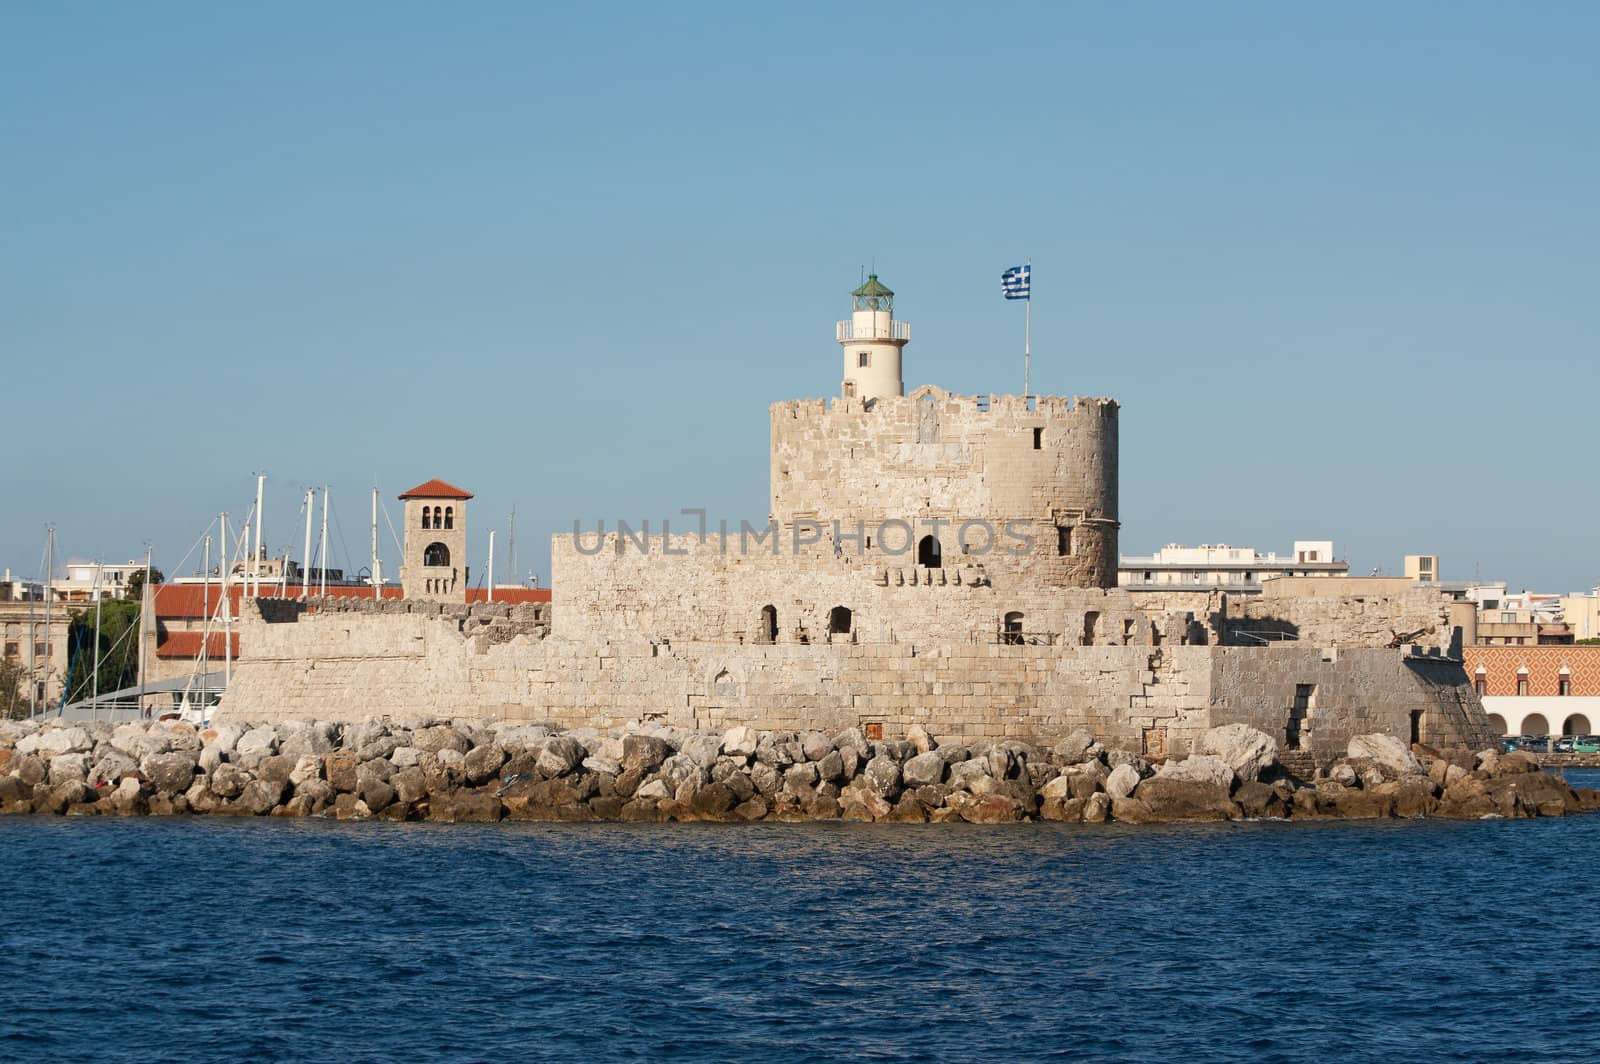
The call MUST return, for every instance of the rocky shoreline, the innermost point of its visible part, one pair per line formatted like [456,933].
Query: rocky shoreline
[474,771]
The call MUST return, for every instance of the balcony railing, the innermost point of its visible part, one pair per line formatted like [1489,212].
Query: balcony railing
[896,330]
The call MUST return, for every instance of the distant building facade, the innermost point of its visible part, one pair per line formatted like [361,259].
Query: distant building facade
[1219,567]
[1537,690]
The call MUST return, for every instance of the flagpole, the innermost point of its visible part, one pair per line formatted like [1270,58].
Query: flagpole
[1027,335]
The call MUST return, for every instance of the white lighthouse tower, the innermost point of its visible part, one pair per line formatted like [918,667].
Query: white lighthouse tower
[872,340]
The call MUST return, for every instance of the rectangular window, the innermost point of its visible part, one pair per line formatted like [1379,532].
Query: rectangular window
[1564,686]
[1522,685]
[40,650]
[1063,541]
[11,650]
[864,359]
[1038,439]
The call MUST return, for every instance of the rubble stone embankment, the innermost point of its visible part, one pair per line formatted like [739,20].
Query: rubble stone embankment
[444,770]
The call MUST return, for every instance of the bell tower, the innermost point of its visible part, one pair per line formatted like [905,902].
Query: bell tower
[872,340]
[435,565]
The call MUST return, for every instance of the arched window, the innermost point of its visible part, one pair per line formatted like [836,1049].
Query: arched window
[436,554]
[1564,682]
[1522,685]
[839,620]
[1497,724]
[1011,629]
[769,624]
[1535,724]
[424,517]
[1577,724]
[449,517]
[928,553]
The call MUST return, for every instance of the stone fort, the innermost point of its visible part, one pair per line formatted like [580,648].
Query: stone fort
[928,558]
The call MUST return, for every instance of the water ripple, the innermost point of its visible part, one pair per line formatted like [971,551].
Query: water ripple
[307,940]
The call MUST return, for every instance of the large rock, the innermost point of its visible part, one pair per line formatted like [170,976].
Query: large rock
[1199,768]
[1390,754]
[560,756]
[440,737]
[139,741]
[481,764]
[257,742]
[110,766]
[313,738]
[918,737]
[1245,750]
[924,769]
[228,780]
[260,797]
[1076,747]
[171,773]
[703,749]
[1171,797]
[1122,781]
[644,752]
[64,741]
[817,746]
[740,742]
[882,777]
[68,768]
[680,769]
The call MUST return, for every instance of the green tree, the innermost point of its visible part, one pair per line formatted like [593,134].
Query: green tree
[135,589]
[118,638]
[1595,642]
[13,690]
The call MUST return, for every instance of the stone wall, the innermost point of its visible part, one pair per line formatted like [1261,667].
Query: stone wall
[368,661]
[684,589]
[1328,620]
[1049,461]
[1341,693]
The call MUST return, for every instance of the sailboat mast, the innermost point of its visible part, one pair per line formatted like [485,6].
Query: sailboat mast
[323,577]
[94,699]
[144,590]
[49,569]
[261,482]
[226,606]
[205,601]
[511,548]
[377,575]
[490,567]
[305,566]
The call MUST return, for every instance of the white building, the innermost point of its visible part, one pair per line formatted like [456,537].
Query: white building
[1238,570]
[88,581]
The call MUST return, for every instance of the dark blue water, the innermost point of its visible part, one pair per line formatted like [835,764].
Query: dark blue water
[136,940]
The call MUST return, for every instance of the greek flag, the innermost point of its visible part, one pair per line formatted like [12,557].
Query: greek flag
[1015,282]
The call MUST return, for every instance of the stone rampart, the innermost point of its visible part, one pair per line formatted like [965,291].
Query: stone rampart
[345,664]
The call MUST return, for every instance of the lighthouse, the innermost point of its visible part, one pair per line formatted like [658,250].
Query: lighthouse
[872,340]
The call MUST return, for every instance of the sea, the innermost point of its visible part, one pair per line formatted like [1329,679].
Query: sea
[211,939]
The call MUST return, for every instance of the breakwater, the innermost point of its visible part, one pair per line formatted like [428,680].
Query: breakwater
[465,771]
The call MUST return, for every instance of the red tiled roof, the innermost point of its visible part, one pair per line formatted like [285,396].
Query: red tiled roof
[436,489]
[513,595]
[187,645]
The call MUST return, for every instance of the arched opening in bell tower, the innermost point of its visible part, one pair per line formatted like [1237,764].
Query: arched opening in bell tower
[435,554]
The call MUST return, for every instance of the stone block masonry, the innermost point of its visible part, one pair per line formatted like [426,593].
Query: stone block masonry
[498,664]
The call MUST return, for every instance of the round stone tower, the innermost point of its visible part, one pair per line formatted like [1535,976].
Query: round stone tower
[872,340]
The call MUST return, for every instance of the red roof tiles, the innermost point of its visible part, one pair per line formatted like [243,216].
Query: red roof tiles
[187,645]
[513,595]
[436,489]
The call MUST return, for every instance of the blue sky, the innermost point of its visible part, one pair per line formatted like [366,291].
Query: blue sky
[1337,263]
